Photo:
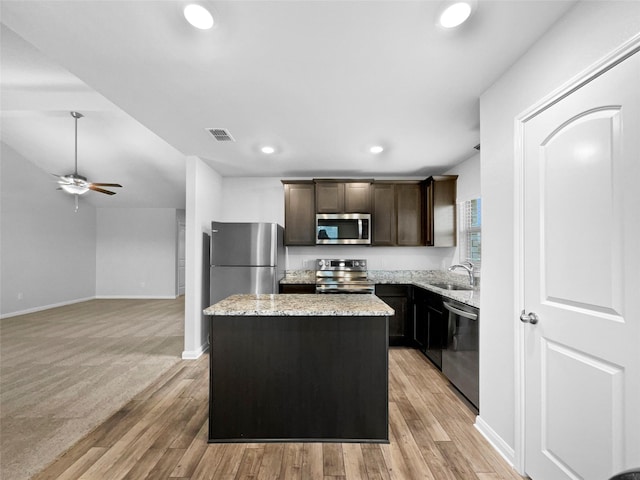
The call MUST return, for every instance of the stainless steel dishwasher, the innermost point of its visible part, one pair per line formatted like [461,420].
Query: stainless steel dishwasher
[460,357]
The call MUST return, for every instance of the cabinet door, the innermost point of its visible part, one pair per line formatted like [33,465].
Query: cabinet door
[441,219]
[299,214]
[429,324]
[409,214]
[357,197]
[420,322]
[399,298]
[383,220]
[428,221]
[329,197]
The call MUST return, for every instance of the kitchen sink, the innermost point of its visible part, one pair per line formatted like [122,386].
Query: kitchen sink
[451,286]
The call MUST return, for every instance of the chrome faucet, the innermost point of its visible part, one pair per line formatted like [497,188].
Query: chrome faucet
[468,266]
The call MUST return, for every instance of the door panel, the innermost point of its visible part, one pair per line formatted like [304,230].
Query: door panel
[583,155]
[569,426]
[581,228]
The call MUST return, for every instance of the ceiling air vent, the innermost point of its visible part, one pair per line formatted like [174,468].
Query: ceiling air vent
[221,134]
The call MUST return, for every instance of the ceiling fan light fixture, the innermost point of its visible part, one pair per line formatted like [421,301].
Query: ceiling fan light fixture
[74,189]
[198,16]
[268,149]
[454,13]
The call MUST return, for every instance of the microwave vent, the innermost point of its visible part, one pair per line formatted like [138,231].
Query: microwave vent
[221,134]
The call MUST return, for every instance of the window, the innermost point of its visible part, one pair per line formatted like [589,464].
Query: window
[470,231]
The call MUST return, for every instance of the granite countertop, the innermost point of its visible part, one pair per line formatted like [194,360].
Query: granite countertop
[364,305]
[419,278]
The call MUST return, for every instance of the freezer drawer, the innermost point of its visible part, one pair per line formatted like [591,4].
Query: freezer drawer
[227,281]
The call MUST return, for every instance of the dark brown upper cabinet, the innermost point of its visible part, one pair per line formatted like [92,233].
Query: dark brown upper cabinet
[409,214]
[299,212]
[383,217]
[397,213]
[336,196]
[441,220]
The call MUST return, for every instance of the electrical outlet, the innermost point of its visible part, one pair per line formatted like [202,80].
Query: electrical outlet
[20,295]
[143,284]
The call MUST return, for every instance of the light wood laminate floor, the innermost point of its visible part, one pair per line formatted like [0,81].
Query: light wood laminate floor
[162,434]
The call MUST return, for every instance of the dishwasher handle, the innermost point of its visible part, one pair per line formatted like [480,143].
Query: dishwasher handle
[462,313]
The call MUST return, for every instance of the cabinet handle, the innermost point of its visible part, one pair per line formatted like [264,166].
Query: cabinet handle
[457,311]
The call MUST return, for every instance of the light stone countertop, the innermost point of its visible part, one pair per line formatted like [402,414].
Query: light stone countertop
[361,305]
[419,278]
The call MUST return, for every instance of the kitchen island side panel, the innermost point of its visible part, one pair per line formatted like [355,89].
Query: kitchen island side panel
[298,378]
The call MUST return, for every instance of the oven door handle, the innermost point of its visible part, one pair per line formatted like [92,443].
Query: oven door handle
[457,311]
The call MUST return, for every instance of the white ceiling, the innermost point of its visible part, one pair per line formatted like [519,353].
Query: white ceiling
[322,81]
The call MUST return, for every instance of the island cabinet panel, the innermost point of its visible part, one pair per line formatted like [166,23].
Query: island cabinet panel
[441,221]
[297,288]
[343,197]
[295,378]
[299,213]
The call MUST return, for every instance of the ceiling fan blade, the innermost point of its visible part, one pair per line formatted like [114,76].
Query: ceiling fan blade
[101,190]
[106,184]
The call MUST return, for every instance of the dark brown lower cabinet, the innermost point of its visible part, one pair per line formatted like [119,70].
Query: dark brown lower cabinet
[429,324]
[398,297]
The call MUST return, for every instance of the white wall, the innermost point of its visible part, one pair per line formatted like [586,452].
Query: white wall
[204,203]
[47,251]
[584,35]
[252,200]
[468,185]
[136,253]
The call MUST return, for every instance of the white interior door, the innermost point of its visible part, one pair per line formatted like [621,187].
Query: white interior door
[581,280]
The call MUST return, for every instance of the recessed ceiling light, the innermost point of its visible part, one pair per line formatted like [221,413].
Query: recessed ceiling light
[455,13]
[198,16]
[376,149]
[267,149]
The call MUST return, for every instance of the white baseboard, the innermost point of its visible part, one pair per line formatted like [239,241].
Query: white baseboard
[495,440]
[194,354]
[45,307]
[136,297]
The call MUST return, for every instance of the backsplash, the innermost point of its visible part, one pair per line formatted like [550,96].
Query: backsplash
[378,258]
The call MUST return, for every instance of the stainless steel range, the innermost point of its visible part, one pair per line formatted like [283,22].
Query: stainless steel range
[342,276]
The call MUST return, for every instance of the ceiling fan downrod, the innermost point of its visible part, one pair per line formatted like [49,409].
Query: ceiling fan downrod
[76,115]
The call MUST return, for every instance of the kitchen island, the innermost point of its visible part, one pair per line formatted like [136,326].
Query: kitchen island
[299,367]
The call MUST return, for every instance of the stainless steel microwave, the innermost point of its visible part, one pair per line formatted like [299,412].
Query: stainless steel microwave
[343,229]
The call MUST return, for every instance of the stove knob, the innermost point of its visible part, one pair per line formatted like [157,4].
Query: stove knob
[321,263]
[355,264]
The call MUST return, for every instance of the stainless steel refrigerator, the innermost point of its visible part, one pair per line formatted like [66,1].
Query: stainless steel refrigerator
[245,258]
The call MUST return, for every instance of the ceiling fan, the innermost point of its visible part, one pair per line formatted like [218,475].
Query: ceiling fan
[77,184]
